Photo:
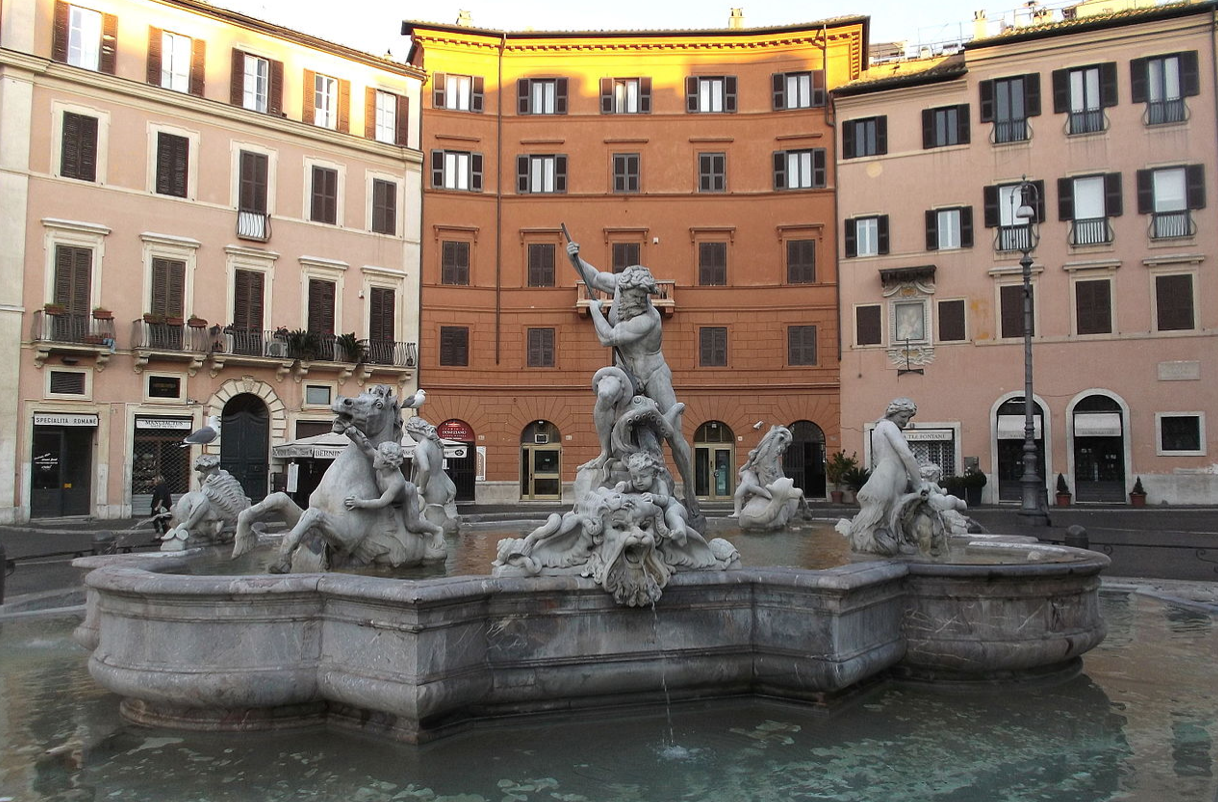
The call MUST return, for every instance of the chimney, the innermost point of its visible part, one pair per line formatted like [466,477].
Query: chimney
[464,18]
[980,25]
[735,19]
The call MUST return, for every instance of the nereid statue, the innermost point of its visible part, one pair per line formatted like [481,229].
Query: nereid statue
[209,514]
[765,498]
[438,494]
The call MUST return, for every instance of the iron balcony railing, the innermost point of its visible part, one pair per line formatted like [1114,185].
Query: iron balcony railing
[1161,112]
[387,352]
[1171,225]
[1092,231]
[169,337]
[1014,238]
[1011,130]
[249,342]
[1086,122]
[281,344]
[254,226]
[72,328]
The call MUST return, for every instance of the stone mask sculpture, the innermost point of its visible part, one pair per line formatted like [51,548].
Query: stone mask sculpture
[209,514]
[765,499]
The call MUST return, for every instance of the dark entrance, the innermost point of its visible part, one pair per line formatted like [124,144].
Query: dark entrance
[462,470]
[804,460]
[245,436]
[1010,448]
[1099,450]
[62,466]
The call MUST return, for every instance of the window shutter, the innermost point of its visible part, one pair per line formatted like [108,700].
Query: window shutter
[437,91]
[1108,84]
[321,306]
[78,154]
[168,287]
[344,105]
[1114,206]
[818,167]
[476,100]
[928,129]
[154,55]
[1190,77]
[384,207]
[851,239]
[1011,300]
[370,113]
[1146,191]
[253,182]
[109,44]
[560,96]
[818,87]
[881,134]
[848,136]
[606,95]
[932,230]
[382,303]
[1194,181]
[966,226]
[1061,91]
[1041,198]
[1174,302]
[951,321]
[522,96]
[475,177]
[882,229]
[236,79]
[729,99]
[402,135]
[987,101]
[691,93]
[867,325]
[1065,199]
[454,346]
[308,112]
[1031,91]
[522,174]
[1138,73]
[198,66]
[779,90]
[247,300]
[962,124]
[780,169]
[560,173]
[437,169]
[645,96]
[274,103]
[990,206]
[72,268]
[59,31]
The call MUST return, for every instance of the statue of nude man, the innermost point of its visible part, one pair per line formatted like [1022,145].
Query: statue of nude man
[632,328]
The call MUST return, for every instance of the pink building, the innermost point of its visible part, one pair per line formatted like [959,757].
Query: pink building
[1113,119]
[197,207]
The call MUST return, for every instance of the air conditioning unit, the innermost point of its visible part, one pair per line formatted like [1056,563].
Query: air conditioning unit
[541,439]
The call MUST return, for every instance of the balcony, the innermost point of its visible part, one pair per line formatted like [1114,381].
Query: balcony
[168,340]
[72,336]
[665,301]
[1094,231]
[1090,121]
[1011,131]
[255,226]
[1014,238]
[1163,112]
[299,352]
[1171,225]
[249,347]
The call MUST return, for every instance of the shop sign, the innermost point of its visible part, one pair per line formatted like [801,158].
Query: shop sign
[455,430]
[923,435]
[64,419]
[162,423]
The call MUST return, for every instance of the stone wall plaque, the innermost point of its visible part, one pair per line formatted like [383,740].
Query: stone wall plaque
[1181,371]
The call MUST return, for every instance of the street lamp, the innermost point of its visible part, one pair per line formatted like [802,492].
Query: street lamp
[1033,504]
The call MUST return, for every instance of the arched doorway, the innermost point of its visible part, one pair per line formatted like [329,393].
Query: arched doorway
[804,460]
[1099,449]
[714,461]
[462,470]
[245,432]
[541,462]
[1010,446]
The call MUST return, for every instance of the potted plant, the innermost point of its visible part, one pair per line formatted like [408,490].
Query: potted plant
[954,485]
[854,479]
[302,344]
[350,347]
[835,467]
[55,309]
[972,483]
[154,318]
[1062,492]
[174,321]
[1137,496]
[102,313]
[196,322]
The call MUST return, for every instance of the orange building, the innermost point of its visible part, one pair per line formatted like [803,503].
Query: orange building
[705,155]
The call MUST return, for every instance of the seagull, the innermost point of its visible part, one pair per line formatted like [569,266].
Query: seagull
[207,434]
[415,401]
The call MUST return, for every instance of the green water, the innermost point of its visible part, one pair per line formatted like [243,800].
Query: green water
[1141,723]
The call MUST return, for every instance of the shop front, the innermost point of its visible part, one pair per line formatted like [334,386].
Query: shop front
[61,464]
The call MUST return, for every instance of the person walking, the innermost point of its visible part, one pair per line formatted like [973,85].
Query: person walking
[162,502]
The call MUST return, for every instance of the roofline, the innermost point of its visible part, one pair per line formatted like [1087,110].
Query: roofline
[924,78]
[409,26]
[1099,22]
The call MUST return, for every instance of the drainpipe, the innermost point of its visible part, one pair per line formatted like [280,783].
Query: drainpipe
[499,198]
[424,178]
[831,121]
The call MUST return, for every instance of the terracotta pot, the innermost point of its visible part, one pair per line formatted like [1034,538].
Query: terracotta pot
[103,314]
[835,496]
[1137,499]
[1063,499]
[197,323]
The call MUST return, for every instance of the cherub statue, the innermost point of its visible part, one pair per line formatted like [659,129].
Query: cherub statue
[438,494]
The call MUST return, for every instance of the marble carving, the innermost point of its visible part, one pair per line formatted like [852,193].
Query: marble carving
[209,514]
[765,498]
[437,493]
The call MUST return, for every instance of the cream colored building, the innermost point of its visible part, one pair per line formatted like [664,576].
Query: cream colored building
[197,206]
[1113,119]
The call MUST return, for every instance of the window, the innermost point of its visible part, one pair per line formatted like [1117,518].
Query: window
[454,169]
[73,276]
[384,207]
[868,323]
[625,95]
[541,174]
[951,321]
[1083,93]
[949,229]
[1180,433]
[253,172]
[323,194]
[712,347]
[454,346]
[84,38]
[1001,203]
[325,101]
[867,236]
[1087,202]
[712,172]
[248,287]
[1174,302]
[457,92]
[384,117]
[625,172]
[65,382]
[257,83]
[541,96]
[801,345]
[172,164]
[798,90]
[1162,82]
[801,261]
[168,294]
[454,262]
[1010,301]
[799,169]
[541,264]
[1008,103]
[706,95]
[947,125]
[78,147]
[1093,306]
[540,348]
[317,395]
[321,311]
[1168,194]
[866,137]
[712,264]
[626,254]
[170,60]
[382,321]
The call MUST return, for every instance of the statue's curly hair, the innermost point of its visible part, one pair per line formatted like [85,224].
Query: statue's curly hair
[637,277]
[901,404]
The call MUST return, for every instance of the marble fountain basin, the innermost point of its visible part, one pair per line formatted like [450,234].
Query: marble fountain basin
[415,659]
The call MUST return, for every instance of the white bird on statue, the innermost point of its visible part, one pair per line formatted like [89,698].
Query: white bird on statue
[415,401]
[201,437]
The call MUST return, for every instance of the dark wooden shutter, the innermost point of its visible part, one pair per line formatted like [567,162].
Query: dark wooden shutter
[712,342]
[990,206]
[247,300]
[477,94]
[1093,306]
[966,226]
[438,89]
[1174,302]
[986,89]
[437,169]
[324,205]
[344,105]
[963,126]
[1060,80]
[780,169]
[819,175]
[1108,84]
[522,174]
[78,147]
[236,80]
[801,261]
[1114,205]
[560,173]
[1041,199]
[778,83]
[274,101]
[1011,301]
[729,93]
[475,175]
[951,321]
[928,129]
[882,231]
[560,96]
[155,41]
[252,189]
[712,264]
[932,230]
[691,93]
[168,287]
[540,348]
[644,96]
[1065,199]
[818,87]
[454,346]
[541,265]
[384,207]
[370,113]
[881,134]
[1031,90]
[106,61]
[321,306]
[382,311]
[198,66]
[1146,191]
[522,96]
[850,236]
[454,263]
[60,32]
[1190,76]
[867,325]
[849,139]
[172,164]
[1194,185]
[401,136]
[801,345]
[309,91]
[72,278]
[1138,79]
[606,97]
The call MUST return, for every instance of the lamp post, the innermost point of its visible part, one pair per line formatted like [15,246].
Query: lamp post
[1033,505]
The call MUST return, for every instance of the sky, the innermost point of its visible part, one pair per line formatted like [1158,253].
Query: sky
[374,25]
